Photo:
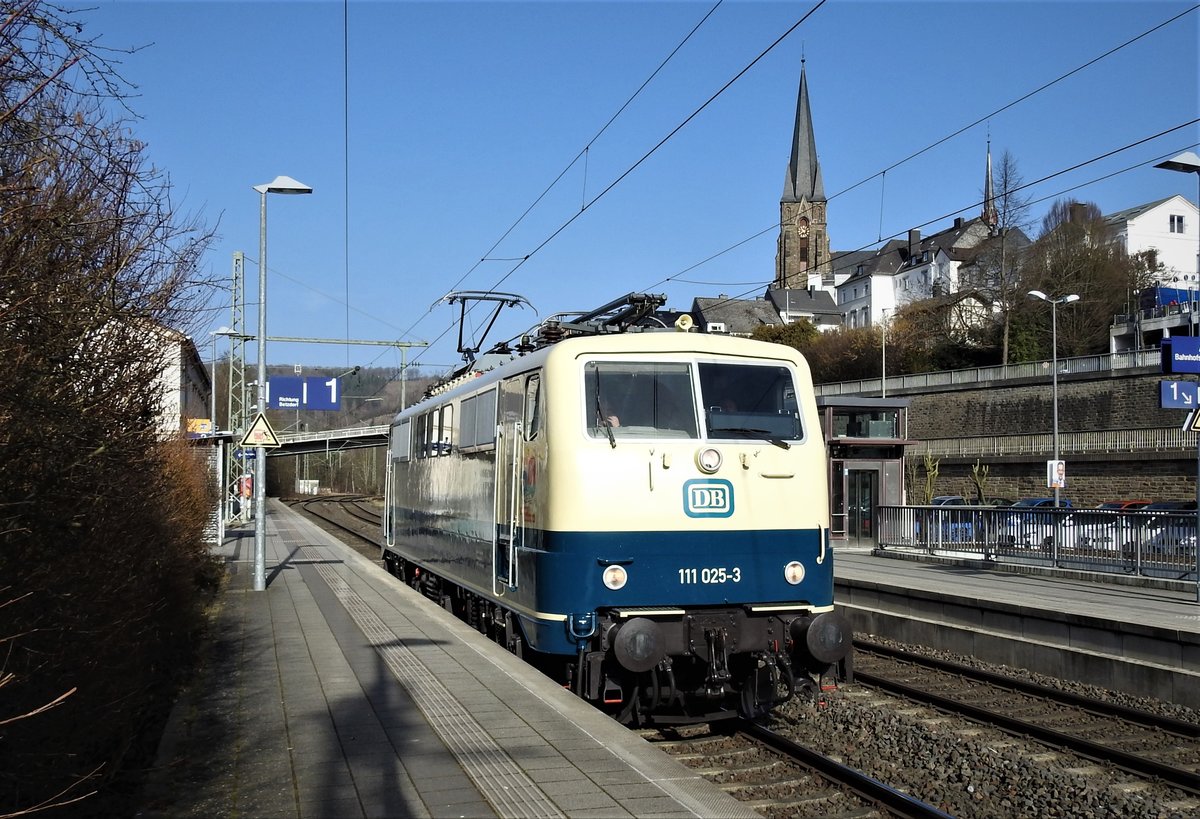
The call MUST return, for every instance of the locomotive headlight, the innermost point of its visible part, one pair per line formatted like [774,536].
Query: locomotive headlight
[615,577]
[708,460]
[794,572]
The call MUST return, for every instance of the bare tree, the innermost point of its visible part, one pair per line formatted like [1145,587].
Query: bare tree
[100,515]
[1073,255]
[1012,211]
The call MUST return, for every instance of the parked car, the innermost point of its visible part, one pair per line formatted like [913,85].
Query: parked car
[1127,505]
[1032,522]
[1106,528]
[1041,503]
[998,502]
[1171,532]
[950,522]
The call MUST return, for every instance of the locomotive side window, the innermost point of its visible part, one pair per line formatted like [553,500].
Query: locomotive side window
[401,442]
[633,399]
[485,418]
[533,406]
[466,421]
[476,421]
[419,424]
[429,433]
[747,401]
[445,441]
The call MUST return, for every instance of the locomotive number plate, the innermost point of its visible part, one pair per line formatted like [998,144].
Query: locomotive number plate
[708,575]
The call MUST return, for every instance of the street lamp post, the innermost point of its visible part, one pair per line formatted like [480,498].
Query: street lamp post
[1189,162]
[1038,294]
[883,354]
[281,184]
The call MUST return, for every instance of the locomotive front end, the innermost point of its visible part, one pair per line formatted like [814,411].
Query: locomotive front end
[695,518]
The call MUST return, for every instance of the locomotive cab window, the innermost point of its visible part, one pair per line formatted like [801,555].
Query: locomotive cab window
[749,401]
[635,400]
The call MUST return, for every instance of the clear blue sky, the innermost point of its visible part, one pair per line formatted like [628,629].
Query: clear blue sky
[427,129]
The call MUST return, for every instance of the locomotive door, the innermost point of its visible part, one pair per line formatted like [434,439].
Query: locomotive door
[508,485]
[389,529]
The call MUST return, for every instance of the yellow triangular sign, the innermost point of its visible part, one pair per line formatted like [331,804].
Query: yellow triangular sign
[1194,421]
[260,434]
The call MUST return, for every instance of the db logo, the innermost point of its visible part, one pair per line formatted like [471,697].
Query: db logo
[708,498]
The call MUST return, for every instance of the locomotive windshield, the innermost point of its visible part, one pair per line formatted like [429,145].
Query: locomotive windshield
[632,399]
[746,401]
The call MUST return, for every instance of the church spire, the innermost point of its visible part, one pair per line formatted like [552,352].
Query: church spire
[989,215]
[804,172]
[802,258]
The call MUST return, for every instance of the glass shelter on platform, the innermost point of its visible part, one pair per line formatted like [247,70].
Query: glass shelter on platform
[866,439]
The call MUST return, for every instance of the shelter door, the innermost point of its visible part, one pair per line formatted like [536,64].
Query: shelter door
[862,503]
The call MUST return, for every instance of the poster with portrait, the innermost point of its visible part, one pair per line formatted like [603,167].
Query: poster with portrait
[1056,474]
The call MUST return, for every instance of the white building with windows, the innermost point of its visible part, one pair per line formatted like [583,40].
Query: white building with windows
[1168,228]
[184,382]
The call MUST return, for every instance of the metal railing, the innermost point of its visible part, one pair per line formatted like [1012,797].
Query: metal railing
[334,434]
[1154,439]
[1160,544]
[920,382]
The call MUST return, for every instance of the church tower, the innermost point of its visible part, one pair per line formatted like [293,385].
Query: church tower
[803,247]
[989,215]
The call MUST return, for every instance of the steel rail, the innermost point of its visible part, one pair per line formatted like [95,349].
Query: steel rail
[869,788]
[1184,780]
[1165,723]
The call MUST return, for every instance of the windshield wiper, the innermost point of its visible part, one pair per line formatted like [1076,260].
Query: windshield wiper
[746,432]
[601,415]
[608,428]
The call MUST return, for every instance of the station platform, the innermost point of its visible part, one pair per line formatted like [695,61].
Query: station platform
[1133,634]
[340,692]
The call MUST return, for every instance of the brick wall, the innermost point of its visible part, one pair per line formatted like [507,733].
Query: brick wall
[1086,402]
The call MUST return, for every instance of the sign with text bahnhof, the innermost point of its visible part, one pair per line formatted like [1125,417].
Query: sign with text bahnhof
[1181,354]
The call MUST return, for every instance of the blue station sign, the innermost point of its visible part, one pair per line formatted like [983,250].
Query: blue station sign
[1178,394]
[303,393]
[1181,354]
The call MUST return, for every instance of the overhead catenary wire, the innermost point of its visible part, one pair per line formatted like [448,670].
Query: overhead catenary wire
[523,259]
[892,166]
[583,153]
[1017,101]
[978,203]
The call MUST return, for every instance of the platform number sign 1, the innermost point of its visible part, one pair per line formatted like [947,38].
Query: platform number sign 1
[308,393]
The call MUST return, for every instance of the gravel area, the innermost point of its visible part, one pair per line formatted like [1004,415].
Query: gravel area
[1180,712]
[969,771]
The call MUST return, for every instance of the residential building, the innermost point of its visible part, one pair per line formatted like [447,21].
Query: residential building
[1167,229]
[817,306]
[185,384]
[737,317]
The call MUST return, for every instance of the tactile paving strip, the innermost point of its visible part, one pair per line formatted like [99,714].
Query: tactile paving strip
[511,790]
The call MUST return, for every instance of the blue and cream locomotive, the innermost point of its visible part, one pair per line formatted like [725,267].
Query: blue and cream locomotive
[643,515]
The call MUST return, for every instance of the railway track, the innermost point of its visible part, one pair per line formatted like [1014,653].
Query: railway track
[779,777]
[348,517]
[1139,742]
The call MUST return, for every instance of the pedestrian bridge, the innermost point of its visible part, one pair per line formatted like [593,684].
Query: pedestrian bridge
[331,440]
